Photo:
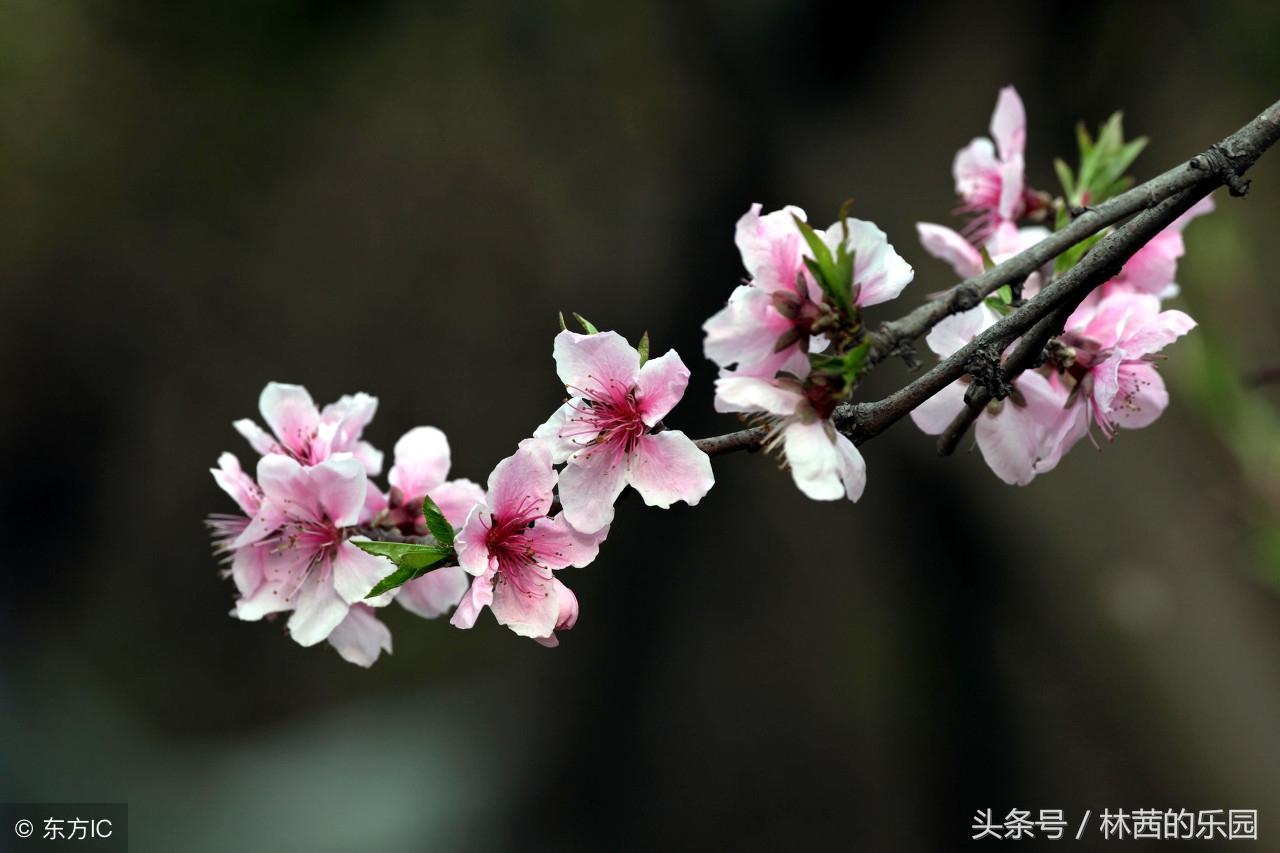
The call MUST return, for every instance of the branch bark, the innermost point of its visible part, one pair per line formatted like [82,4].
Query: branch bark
[1156,203]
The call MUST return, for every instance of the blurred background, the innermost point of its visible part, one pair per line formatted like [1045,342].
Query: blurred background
[398,198]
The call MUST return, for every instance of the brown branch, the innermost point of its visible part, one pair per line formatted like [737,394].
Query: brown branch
[745,439]
[1156,203]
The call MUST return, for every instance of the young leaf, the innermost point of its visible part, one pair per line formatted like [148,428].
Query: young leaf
[643,348]
[439,526]
[835,278]
[1005,293]
[987,261]
[411,560]
[586,324]
[563,327]
[1066,178]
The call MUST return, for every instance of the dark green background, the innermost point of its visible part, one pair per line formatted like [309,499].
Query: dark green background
[398,198]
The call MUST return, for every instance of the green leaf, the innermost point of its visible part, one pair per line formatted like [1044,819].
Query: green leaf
[586,324]
[563,327]
[1005,294]
[439,526]
[1066,178]
[834,274]
[643,348]
[411,559]
[998,305]
[987,261]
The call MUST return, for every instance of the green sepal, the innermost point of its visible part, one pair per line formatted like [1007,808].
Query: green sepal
[643,348]
[586,324]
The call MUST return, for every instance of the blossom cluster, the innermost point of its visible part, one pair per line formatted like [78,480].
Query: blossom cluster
[318,539]
[1103,367]
[312,512]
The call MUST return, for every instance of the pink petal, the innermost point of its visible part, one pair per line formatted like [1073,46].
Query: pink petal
[589,485]
[771,246]
[1155,335]
[745,333]
[879,272]
[356,573]
[976,169]
[523,482]
[1009,124]
[360,637]
[816,464]
[1022,441]
[956,331]
[666,467]
[530,609]
[422,462]
[1011,186]
[549,432]
[477,598]
[236,483]
[434,593]
[660,386]
[750,394]
[472,542]
[1142,397]
[318,610]
[587,362]
[557,544]
[949,246]
[934,415]
[291,414]
[259,439]
[456,499]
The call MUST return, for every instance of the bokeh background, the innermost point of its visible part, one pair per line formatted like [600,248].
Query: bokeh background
[398,198]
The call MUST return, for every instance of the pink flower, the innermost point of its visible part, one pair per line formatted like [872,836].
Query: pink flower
[824,464]
[309,435]
[1005,241]
[1019,437]
[989,176]
[1153,268]
[512,548]
[295,554]
[605,432]
[1113,380]
[420,470]
[766,326]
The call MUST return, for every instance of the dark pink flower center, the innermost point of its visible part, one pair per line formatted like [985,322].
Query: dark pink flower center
[606,414]
[509,543]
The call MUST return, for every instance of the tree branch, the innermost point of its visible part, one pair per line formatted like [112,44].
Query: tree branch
[1157,203]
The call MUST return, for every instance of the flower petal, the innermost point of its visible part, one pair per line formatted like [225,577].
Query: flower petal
[477,598]
[360,637]
[1009,124]
[815,463]
[660,386]
[456,498]
[523,482]
[236,483]
[561,448]
[291,414]
[434,593]
[666,467]
[356,573]
[587,362]
[771,246]
[1142,397]
[472,542]
[557,544]
[422,462]
[530,608]
[934,415]
[947,245]
[589,484]
[751,394]
[879,272]
[318,610]
[745,333]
